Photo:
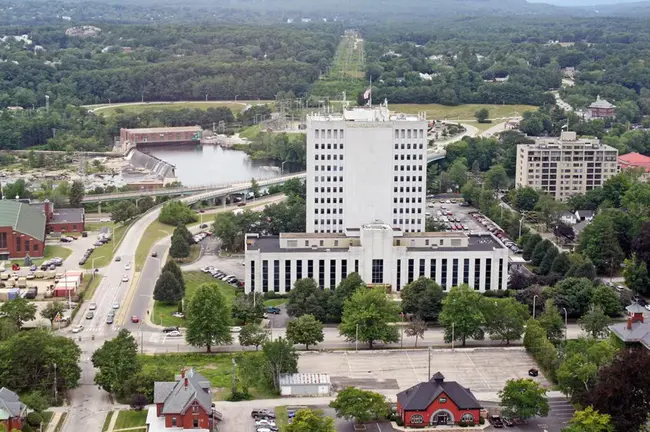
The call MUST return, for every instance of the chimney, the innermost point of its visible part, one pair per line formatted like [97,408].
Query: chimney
[629,323]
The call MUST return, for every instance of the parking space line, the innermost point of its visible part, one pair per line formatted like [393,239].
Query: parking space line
[477,370]
[412,367]
[347,359]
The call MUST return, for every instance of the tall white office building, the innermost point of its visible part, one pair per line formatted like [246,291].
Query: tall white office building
[363,165]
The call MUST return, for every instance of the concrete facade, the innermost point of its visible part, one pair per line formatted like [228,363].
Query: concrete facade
[380,254]
[565,166]
[370,159]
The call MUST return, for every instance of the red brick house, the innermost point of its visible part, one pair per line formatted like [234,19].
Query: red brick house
[22,230]
[437,402]
[159,136]
[601,109]
[12,410]
[185,404]
[70,220]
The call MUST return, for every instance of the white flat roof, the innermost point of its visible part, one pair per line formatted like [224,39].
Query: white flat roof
[304,379]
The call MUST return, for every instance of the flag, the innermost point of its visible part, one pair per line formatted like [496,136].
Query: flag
[366,95]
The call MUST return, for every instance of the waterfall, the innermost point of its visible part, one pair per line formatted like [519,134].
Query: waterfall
[155,165]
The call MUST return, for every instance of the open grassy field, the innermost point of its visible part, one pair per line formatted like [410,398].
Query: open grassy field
[103,255]
[162,313]
[217,368]
[461,112]
[152,234]
[236,107]
[130,419]
[107,420]
[275,302]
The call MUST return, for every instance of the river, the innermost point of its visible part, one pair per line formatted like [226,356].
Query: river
[211,164]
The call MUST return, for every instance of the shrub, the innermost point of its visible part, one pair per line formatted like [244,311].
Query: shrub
[237,396]
[27,428]
[34,419]
[481,421]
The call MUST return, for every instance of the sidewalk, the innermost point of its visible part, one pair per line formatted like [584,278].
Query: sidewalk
[54,421]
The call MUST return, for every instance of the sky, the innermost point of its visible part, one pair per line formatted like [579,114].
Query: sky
[582,2]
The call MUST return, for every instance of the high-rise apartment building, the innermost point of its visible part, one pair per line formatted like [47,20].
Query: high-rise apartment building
[363,165]
[565,166]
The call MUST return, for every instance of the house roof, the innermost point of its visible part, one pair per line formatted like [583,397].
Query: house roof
[601,103]
[639,332]
[10,404]
[634,160]
[176,397]
[68,215]
[422,395]
[635,308]
[23,218]
[567,214]
[584,213]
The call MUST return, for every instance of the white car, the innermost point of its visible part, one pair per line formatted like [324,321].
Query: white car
[127,266]
[105,220]
[235,329]
[77,328]
[92,306]
[125,278]
[265,422]
[116,305]
[174,333]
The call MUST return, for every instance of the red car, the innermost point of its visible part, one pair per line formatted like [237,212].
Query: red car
[135,319]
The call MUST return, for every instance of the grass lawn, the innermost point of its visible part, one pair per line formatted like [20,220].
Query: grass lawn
[152,234]
[91,286]
[51,251]
[96,226]
[129,419]
[103,255]
[217,368]
[462,112]
[275,302]
[482,126]
[195,251]
[281,418]
[250,132]
[47,416]
[236,107]
[107,420]
[162,313]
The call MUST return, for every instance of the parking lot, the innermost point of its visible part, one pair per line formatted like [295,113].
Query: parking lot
[484,370]
[439,211]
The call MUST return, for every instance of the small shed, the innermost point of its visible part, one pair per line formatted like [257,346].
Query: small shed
[305,384]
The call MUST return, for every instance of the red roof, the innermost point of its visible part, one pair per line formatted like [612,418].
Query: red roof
[634,160]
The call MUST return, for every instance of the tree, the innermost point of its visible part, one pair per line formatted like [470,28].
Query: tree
[458,173]
[255,188]
[306,298]
[561,264]
[461,314]
[608,300]
[123,211]
[305,330]
[280,357]
[524,398]
[636,275]
[621,387]
[176,212]
[530,245]
[360,405]
[547,262]
[245,308]
[599,242]
[253,335]
[18,311]
[208,318]
[505,318]
[52,311]
[117,361]
[573,294]
[138,401]
[497,177]
[35,400]
[482,115]
[641,243]
[367,317]
[168,289]
[344,291]
[416,328]
[77,192]
[422,298]
[27,261]
[564,231]
[590,420]
[524,198]
[540,251]
[180,248]
[181,230]
[552,322]
[174,269]
[145,203]
[307,420]
[595,322]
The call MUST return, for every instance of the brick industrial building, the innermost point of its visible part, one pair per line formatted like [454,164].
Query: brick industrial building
[159,136]
[24,225]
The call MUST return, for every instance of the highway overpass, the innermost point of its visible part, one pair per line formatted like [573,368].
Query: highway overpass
[206,191]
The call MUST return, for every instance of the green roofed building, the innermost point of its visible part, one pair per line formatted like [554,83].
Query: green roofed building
[22,230]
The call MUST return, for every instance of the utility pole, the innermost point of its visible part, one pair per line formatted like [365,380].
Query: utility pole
[234,375]
[429,364]
[55,390]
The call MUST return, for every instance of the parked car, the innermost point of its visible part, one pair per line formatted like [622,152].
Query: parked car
[273,310]
[174,333]
[508,421]
[170,329]
[533,372]
[257,413]
[496,421]
[235,329]
[33,268]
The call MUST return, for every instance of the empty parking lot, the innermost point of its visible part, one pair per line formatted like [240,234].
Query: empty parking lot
[483,370]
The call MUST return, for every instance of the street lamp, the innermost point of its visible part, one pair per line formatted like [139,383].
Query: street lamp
[566,328]
[206,97]
[401,341]
[521,221]
[453,325]
[236,96]
[282,167]
[356,340]
[534,298]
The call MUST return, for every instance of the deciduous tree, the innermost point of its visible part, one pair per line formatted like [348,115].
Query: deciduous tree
[52,311]
[505,318]
[422,298]
[306,298]
[343,291]
[280,357]
[524,398]
[362,406]
[305,330]
[77,193]
[168,289]
[497,177]
[416,328]
[368,315]
[590,420]
[123,211]
[636,275]
[176,212]
[607,299]
[117,362]
[253,335]
[18,311]
[308,420]
[552,322]
[461,314]
[482,115]
[208,318]
[595,322]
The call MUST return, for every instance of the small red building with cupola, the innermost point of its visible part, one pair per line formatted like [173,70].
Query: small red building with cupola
[437,402]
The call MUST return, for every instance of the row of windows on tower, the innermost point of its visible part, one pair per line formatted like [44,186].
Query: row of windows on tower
[328,178]
[408,167]
[333,211]
[328,167]
[408,146]
[459,275]
[408,189]
[323,133]
[322,200]
[314,269]
[328,221]
[329,146]
[406,133]
[408,157]
[407,210]
[407,178]
[330,157]
[407,200]
[327,189]
[406,221]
